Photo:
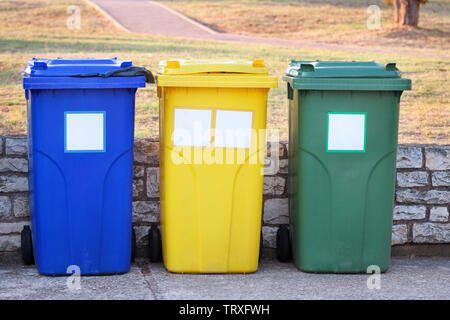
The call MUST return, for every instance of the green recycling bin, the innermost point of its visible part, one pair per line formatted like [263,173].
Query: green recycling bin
[343,128]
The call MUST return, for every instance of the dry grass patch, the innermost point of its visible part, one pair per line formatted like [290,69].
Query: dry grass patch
[424,111]
[332,21]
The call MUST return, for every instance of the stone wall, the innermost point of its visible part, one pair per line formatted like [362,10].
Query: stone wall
[421,214]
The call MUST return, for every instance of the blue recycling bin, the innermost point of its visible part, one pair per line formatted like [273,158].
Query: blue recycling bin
[80,152]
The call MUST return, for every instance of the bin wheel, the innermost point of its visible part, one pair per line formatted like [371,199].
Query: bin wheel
[283,244]
[260,247]
[27,246]
[133,245]
[154,243]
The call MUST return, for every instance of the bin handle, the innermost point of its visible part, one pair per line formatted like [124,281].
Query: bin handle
[391,66]
[290,92]
[258,63]
[173,64]
[293,70]
[124,72]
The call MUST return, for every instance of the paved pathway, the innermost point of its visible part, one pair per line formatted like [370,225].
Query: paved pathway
[144,16]
[407,279]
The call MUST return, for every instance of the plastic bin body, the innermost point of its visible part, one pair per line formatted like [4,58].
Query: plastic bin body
[80,196]
[341,198]
[211,209]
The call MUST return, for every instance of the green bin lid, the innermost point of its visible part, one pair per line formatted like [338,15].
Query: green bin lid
[345,75]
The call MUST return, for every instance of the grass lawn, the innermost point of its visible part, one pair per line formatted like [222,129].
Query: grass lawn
[331,21]
[37,28]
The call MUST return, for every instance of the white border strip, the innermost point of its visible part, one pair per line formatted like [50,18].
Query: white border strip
[108,16]
[182,16]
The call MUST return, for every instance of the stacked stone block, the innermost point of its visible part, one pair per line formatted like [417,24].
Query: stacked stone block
[421,213]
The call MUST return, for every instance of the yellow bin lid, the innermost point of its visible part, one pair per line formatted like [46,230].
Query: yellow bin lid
[214,73]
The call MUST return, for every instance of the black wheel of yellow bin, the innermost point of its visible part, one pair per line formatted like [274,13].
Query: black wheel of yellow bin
[260,247]
[154,243]
[283,244]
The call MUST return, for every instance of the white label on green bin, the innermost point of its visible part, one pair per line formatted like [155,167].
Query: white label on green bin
[346,132]
[233,129]
[84,131]
[192,127]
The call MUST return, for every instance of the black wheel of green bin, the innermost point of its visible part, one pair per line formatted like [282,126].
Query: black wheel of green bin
[283,244]
[133,245]
[27,246]
[154,243]
[260,247]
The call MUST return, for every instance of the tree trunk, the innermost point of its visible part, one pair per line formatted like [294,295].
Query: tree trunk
[408,13]
[396,4]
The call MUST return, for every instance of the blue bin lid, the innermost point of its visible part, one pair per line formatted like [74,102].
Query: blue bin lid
[65,74]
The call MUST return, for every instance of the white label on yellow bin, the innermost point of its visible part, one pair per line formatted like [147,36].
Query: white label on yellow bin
[233,129]
[192,127]
[346,132]
[84,131]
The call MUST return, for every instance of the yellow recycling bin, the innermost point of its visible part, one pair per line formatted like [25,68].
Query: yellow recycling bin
[212,145]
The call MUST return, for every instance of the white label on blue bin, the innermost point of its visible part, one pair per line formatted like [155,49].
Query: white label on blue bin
[346,132]
[85,131]
[233,129]
[192,127]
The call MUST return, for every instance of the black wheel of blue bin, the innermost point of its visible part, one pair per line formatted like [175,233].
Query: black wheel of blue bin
[154,243]
[133,245]
[260,247]
[283,244]
[27,246]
